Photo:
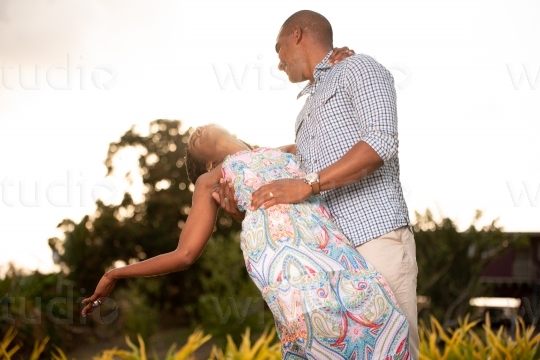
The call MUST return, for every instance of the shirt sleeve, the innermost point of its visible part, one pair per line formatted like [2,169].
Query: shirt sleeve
[373,95]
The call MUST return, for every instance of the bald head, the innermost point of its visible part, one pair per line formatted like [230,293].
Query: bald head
[313,23]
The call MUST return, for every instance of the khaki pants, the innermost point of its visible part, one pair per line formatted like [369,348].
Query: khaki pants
[394,256]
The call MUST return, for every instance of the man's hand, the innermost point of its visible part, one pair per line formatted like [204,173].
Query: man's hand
[225,199]
[340,54]
[286,191]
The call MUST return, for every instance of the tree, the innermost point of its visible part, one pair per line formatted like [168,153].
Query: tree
[133,231]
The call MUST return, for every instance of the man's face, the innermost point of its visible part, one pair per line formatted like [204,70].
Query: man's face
[289,55]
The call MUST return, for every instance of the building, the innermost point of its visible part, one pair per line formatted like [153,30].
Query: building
[516,274]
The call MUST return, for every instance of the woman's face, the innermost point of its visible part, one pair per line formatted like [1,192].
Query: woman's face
[203,142]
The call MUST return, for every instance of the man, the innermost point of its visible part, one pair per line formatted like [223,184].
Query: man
[346,140]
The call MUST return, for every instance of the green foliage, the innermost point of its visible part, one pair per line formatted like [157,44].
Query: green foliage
[262,349]
[194,341]
[133,230]
[436,343]
[450,263]
[138,316]
[8,350]
[38,307]
[464,343]
[230,300]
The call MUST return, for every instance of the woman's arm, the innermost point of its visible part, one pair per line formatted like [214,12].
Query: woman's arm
[193,238]
[291,149]
[225,191]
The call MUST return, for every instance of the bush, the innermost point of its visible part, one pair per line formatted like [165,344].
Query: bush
[230,301]
[463,343]
[436,343]
[38,307]
[137,315]
[262,349]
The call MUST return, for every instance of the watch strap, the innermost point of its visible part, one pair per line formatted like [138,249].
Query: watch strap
[316,187]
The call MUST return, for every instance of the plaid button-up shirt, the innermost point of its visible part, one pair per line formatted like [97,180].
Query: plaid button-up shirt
[354,101]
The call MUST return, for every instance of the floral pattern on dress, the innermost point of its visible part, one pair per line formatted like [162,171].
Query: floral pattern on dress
[327,301]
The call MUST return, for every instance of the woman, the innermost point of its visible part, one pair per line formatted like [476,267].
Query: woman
[326,300]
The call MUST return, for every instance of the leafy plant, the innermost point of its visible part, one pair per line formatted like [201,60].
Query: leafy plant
[436,343]
[138,352]
[138,315]
[39,347]
[60,355]
[6,342]
[230,301]
[195,340]
[262,349]
[464,343]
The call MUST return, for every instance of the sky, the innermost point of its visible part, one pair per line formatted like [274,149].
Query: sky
[75,76]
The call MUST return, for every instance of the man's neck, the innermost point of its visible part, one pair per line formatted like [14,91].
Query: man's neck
[317,54]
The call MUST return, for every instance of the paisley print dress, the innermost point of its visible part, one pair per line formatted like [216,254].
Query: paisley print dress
[327,301]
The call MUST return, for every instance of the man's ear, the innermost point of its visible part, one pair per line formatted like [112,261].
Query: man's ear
[297,33]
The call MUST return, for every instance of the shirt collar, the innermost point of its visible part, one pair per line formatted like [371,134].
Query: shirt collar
[317,73]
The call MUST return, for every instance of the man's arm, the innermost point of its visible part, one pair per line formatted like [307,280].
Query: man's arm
[224,197]
[226,190]
[359,162]
[371,90]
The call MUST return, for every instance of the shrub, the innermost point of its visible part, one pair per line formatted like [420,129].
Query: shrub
[463,343]
[230,302]
[436,343]
[262,349]
[138,316]
[38,306]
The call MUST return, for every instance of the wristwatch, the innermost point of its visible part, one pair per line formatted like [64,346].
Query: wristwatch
[312,179]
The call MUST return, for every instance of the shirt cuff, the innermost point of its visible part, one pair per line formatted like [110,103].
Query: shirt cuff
[384,144]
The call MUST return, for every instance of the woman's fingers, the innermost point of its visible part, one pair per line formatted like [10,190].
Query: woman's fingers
[337,51]
[89,304]
[102,291]
[219,194]
[229,193]
[340,54]
[226,198]
[223,196]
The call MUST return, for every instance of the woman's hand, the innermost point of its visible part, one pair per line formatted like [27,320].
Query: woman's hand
[103,290]
[340,54]
[225,199]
